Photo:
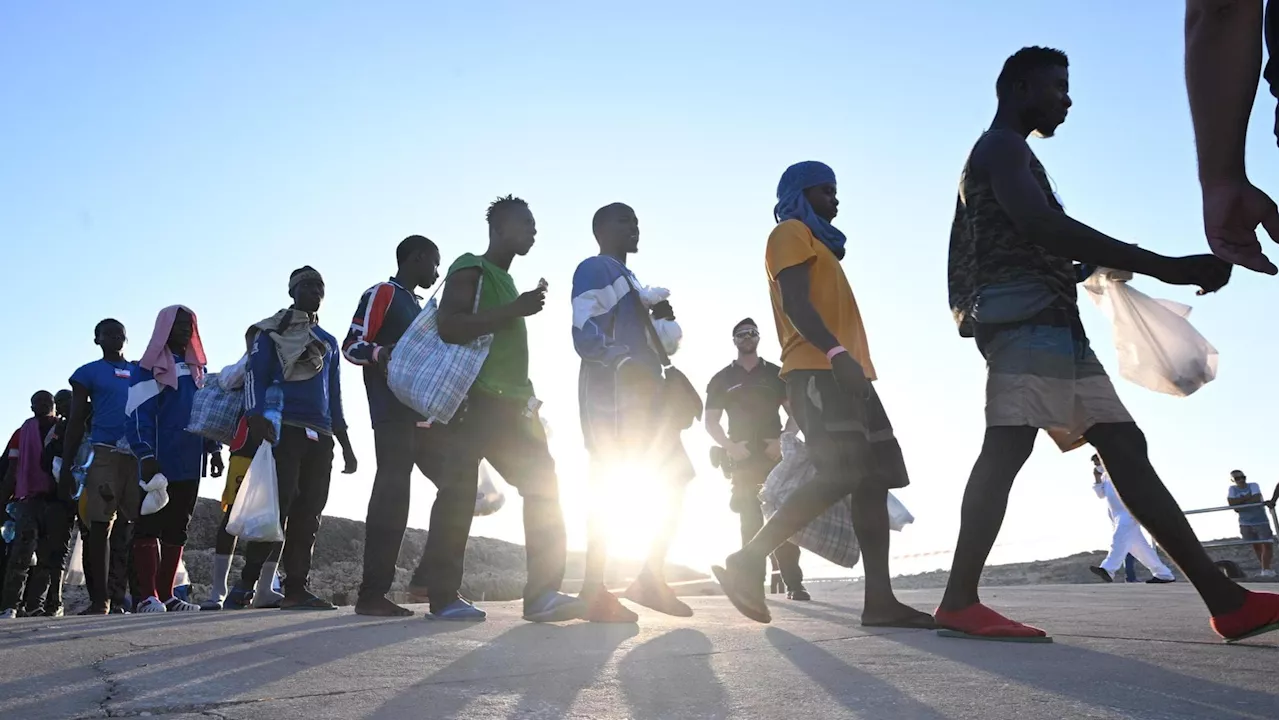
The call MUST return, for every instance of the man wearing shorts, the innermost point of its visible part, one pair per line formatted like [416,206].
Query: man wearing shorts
[111,497]
[827,366]
[1254,524]
[1011,282]
[620,403]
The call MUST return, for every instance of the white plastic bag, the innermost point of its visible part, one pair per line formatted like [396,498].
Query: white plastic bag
[157,494]
[255,516]
[669,331]
[1157,346]
[899,516]
[489,499]
[232,376]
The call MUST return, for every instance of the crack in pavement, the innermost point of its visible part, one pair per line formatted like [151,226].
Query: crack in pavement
[211,709]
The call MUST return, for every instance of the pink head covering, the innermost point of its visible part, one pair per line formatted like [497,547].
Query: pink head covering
[159,359]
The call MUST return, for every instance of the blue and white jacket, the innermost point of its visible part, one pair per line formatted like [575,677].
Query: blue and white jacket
[156,420]
[609,330]
[314,403]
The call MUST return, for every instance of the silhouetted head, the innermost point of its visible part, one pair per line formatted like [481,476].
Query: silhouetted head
[746,336]
[1033,85]
[617,229]
[42,404]
[62,403]
[511,225]
[418,260]
[306,287]
[823,199]
[110,336]
[1238,477]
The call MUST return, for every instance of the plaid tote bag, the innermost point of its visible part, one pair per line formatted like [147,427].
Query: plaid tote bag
[430,375]
[216,411]
[830,535]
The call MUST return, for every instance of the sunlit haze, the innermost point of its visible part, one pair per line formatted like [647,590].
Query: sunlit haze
[161,153]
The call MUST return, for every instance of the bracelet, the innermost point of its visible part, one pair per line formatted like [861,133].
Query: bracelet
[835,351]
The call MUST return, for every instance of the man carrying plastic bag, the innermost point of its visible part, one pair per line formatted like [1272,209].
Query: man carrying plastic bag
[293,372]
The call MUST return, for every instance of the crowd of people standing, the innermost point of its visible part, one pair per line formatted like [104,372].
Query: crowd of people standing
[1015,259]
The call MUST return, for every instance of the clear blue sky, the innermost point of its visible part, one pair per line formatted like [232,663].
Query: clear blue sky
[161,153]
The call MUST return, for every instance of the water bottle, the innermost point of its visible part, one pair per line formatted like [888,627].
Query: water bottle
[12,509]
[8,531]
[274,410]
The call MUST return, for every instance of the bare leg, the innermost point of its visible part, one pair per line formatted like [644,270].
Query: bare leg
[1004,451]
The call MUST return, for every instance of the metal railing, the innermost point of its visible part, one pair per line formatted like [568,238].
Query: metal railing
[1270,505]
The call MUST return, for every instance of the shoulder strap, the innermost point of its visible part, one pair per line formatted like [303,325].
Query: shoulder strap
[647,321]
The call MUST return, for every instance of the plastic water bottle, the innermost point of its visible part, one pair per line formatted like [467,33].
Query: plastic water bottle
[274,410]
[8,531]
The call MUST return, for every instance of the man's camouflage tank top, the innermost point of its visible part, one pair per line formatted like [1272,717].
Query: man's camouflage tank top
[987,250]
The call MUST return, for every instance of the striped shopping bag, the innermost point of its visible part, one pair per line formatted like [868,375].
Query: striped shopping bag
[830,535]
[216,411]
[430,375]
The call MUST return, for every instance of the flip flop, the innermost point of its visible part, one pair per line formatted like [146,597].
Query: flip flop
[738,598]
[944,632]
[1252,633]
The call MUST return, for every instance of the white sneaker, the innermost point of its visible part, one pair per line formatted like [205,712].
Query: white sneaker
[8,614]
[176,604]
[1268,573]
[150,605]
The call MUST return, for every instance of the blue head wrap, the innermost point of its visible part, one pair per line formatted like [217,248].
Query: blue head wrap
[793,205]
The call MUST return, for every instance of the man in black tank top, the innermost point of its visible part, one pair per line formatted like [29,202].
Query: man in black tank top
[1009,277]
[1223,53]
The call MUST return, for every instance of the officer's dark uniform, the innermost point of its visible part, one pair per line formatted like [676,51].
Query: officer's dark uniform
[751,399]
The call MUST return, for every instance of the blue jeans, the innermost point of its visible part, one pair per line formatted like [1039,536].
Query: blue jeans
[1130,575]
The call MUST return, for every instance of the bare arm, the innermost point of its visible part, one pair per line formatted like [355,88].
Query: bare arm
[1223,59]
[1006,160]
[80,407]
[794,284]
[457,323]
[711,421]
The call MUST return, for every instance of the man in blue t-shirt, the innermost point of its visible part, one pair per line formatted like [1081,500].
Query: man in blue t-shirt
[1254,524]
[111,497]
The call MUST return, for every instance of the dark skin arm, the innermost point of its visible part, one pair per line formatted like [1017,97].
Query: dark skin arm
[794,285]
[348,454]
[1005,159]
[456,322]
[80,408]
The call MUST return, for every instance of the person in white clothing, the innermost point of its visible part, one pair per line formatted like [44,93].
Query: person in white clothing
[1127,537]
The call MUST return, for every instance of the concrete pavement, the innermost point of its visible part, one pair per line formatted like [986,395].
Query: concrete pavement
[1121,651]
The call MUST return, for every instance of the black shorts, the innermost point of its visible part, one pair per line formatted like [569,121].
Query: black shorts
[849,439]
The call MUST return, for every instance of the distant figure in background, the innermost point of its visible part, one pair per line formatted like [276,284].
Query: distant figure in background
[1254,524]
[44,587]
[291,353]
[35,492]
[1127,540]
[623,413]
[157,412]
[750,391]
[110,498]
[401,437]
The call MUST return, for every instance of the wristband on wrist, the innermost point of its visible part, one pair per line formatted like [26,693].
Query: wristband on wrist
[835,351]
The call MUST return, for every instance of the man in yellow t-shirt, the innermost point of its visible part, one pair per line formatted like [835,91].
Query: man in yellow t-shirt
[827,367]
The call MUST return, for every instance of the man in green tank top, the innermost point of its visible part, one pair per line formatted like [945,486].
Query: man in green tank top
[1011,288]
[498,422]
